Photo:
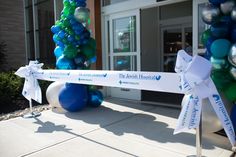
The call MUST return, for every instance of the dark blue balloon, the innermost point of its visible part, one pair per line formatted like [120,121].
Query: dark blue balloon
[78,42]
[58,51]
[233,116]
[84,41]
[207,55]
[73,21]
[227,20]
[65,63]
[217,2]
[70,16]
[208,44]
[73,97]
[70,38]
[55,29]
[220,30]
[95,98]
[80,59]
[233,34]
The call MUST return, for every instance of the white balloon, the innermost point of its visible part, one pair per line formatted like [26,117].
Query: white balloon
[210,121]
[52,93]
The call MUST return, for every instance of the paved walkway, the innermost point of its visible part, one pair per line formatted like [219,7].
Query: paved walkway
[116,129]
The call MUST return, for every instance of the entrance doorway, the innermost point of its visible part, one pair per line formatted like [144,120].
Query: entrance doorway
[123,46]
[161,40]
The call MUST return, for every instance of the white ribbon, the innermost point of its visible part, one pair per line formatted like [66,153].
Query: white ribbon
[31,89]
[193,71]
[195,80]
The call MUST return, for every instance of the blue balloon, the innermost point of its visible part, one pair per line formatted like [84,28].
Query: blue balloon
[61,44]
[70,38]
[95,98]
[207,55]
[73,97]
[55,29]
[78,31]
[79,60]
[62,34]
[220,48]
[233,34]
[65,63]
[217,2]
[55,38]
[220,30]
[233,116]
[58,51]
[73,21]
[226,19]
[93,59]
[208,44]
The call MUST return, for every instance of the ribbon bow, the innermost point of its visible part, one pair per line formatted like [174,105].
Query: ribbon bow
[195,80]
[31,89]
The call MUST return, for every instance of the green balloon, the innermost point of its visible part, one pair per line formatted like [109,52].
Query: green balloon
[65,41]
[221,78]
[57,22]
[92,43]
[77,37]
[66,3]
[66,22]
[70,51]
[67,11]
[88,51]
[73,4]
[230,92]
[205,36]
[91,87]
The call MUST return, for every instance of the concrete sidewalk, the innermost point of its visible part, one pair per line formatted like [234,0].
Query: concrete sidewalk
[118,128]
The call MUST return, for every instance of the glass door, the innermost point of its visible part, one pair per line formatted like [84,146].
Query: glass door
[124,49]
[175,38]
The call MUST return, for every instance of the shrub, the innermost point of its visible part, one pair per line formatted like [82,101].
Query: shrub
[3,50]
[10,92]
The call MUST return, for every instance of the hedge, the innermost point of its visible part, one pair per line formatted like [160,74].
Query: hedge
[11,87]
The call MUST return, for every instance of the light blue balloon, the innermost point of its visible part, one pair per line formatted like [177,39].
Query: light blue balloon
[55,38]
[58,51]
[65,63]
[220,48]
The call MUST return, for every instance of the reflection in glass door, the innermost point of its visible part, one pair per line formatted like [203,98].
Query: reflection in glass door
[124,51]
[175,38]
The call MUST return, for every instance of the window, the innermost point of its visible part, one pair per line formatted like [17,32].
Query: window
[109,2]
[39,18]
[198,26]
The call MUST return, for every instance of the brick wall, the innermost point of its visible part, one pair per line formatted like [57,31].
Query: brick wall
[12,31]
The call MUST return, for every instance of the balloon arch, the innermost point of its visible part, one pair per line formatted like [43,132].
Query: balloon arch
[220,42]
[75,50]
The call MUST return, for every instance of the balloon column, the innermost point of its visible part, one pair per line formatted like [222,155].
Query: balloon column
[75,50]
[220,42]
